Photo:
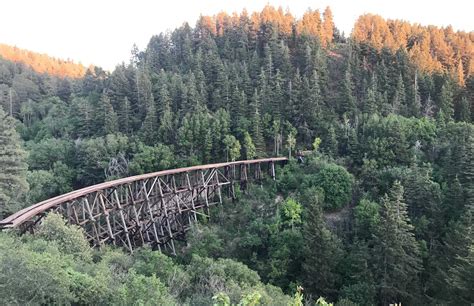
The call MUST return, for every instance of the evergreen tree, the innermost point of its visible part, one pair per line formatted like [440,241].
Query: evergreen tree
[13,185]
[399,98]
[249,147]
[397,253]
[460,74]
[124,117]
[371,101]
[314,104]
[466,175]
[415,105]
[166,128]
[460,275]
[144,95]
[322,252]
[327,27]
[428,108]
[347,100]
[464,110]
[445,103]
[277,95]
[110,117]
[257,130]
[149,127]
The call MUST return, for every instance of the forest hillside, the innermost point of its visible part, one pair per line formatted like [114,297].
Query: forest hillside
[380,212]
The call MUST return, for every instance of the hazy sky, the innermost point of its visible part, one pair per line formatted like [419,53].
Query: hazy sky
[102,32]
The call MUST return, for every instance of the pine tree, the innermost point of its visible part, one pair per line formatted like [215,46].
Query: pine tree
[460,74]
[166,127]
[314,101]
[144,95]
[399,98]
[415,105]
[428,108]
[466,175]
[257,130]
[322,252]
[110,117]
[124,117]
[347,100]
[464,110]
[460,276]
[396,254]
[13,185]
[277,95]
[454,200]
[249,147]
[149,127]
[445,103]
[371,103]
[331,142]
[327,27]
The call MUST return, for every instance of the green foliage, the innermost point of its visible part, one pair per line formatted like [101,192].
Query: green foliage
[47,184]
[70,239]
[143,290]
[337,185]
[316,143]
[249,147]
[151,159]
[397,252]
[13,184]
[28,275]
[232,147]
[245,87]
[367,218]
[322,252]
[221,299]
[291,212]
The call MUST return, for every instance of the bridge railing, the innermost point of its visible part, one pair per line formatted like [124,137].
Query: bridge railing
[155,208]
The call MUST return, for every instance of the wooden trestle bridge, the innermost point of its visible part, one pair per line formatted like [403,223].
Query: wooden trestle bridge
[155,208]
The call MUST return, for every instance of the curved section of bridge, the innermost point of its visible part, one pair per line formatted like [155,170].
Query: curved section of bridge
[155,208]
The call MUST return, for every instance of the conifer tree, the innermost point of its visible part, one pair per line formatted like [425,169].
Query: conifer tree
[460,74]
[466,175]
[257,129]
[460,275]
[399,98]
[322,252]
[371,103]
[315,102]
[277,95]
[327,27]
[124,117]
[165,130]
[415,105]
[144,95]
[110,116]
[397,254]
[464,110]
[347,100]
[149,127]
[13,185]
[249,147]
[445,103]
[428,108]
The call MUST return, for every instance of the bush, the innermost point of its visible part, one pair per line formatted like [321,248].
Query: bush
[337,185]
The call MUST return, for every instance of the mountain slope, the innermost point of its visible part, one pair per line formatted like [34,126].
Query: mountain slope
[43,63]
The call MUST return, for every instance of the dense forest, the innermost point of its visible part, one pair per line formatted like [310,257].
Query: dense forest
[380,211]
[42,63]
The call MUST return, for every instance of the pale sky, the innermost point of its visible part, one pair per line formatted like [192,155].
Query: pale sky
[102,32]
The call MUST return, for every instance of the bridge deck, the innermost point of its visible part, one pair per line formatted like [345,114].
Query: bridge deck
[28,213]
